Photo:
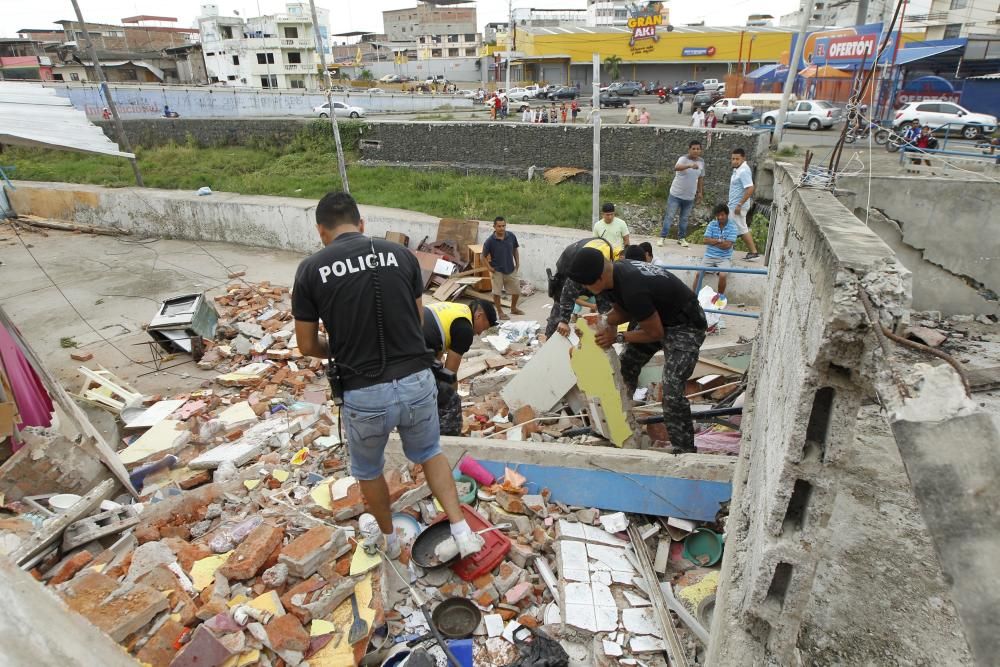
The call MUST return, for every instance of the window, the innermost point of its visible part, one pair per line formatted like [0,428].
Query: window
[452,53]
[958,4]
[57,76]
[470,52]
[231,77]
[73,76]
[210,53]
[129,75]
[805,106]
[952,30]
[297,83]
[291,33]
[294,58]
[928,108]
[435,53]
[948,108]
[265,58]
[269,82]
[452,38]
[227,32]
[213,79]
[236,60]
[470,36]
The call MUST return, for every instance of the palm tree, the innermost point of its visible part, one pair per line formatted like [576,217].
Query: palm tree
[613,63]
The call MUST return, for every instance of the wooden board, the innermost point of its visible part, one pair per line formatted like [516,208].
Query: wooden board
[544,380]
[427,262]
[484,284]
[463,232]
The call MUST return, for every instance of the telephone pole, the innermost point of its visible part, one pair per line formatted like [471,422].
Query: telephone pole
[793,67]
[123,141]
[341,167]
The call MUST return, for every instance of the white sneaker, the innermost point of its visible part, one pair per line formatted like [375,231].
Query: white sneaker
[682,243]
[659,243]
[469,544]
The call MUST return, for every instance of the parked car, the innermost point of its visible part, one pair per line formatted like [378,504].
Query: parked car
[465,93]
[391,78]
[565,93]
[625,88]
[705,99]
[543,93]
[375,90]
[688,88]
[607,100]
[730,110]
[337,89]
[340,109]
[520,94]
[946,116]
[440,80]
[711,84]
[814,114]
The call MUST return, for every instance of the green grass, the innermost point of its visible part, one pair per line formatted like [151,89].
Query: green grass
[307,167]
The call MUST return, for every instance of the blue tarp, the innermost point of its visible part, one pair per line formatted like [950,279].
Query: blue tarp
[763,71]
[915,53]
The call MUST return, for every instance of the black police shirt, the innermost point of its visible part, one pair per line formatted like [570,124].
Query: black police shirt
[336,285]
[462,333]
[642,289]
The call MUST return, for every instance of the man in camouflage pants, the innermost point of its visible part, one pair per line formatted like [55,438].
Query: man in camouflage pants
[668,317]
[564,291]
[449,409]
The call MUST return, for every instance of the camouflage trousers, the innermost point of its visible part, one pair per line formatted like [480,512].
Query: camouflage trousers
[449,409]
[562,307]
[680,347]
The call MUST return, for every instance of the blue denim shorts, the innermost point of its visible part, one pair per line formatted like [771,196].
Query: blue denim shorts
[408,404]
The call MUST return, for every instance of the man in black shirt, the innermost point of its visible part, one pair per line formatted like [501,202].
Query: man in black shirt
[565,292]
[668,317]
[368,293]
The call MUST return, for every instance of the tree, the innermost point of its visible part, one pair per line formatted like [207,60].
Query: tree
[366,75]
[613,63]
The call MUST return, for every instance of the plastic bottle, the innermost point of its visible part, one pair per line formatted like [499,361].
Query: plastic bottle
[230,536]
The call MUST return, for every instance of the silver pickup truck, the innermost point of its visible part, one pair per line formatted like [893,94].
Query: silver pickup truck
[814,114]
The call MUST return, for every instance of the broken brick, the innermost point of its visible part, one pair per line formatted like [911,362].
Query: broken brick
[70,566]
[159,651]
[165,581]
[130,607]
[253,553]
[187,554]
[302,588]
[204,650]
[306,553]
[285,633]
[518,592]
[81,356]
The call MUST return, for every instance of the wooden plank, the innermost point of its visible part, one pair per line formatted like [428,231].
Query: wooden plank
[544,380]
[69,226]
[465,371]
[463,232]
[91,435]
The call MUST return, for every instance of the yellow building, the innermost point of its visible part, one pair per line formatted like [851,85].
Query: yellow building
[648,52]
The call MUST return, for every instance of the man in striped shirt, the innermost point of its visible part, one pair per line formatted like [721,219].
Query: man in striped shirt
[719,239]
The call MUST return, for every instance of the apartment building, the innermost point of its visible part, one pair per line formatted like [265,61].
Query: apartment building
[949,19]
[270,52]
[436,29]
[607,12]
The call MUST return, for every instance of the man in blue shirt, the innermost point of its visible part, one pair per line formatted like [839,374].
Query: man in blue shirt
[500,254]
[740,192]
[719,239]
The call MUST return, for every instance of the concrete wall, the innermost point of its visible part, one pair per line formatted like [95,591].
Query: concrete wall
[138,101]
[285,223]
[942,232]
[812,368]
[640,150]
[151,132]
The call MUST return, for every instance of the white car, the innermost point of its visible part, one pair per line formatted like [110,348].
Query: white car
[522,94]
[389,78]
[814,114]
[375,90]
[712,84]
[942,116]
[533,90]
[340,109]
[731,110]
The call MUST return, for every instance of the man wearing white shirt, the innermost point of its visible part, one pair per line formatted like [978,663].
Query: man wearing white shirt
[689,179]
[698,118]
[740,193]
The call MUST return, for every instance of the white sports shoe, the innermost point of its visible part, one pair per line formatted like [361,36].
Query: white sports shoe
[659,243]
[682,243]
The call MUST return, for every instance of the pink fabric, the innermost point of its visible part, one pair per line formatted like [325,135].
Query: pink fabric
[33,403]
[717,442]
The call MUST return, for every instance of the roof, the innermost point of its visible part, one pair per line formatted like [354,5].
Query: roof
[995,77]
[156,71]
[31,115]
[915,53]
[146,17]
[590,30]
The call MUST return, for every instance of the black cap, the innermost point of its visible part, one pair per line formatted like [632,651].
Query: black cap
[587,266]
[608,207]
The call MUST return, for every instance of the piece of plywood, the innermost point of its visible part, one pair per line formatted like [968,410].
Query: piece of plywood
[544,380]
[163,438]
[462,232]
[154,414]
[598,376]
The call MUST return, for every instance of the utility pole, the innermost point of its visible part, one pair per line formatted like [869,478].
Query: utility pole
[123,141]
[793,67]
[341,166]
[510,43]
[596,116]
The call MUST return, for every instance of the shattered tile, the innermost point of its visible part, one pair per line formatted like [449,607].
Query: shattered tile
[641,621]
[646,645]
[611,649]
[494,624]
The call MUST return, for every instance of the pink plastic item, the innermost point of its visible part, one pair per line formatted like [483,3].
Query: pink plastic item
[470,467]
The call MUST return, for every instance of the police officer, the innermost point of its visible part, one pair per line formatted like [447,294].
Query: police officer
[451,327]
[368,293]
[668,317]
[565,292]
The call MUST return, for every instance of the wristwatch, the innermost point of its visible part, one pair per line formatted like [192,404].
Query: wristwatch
[620,337]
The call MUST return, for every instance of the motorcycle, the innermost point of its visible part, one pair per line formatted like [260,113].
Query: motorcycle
[879,134]
[662,96]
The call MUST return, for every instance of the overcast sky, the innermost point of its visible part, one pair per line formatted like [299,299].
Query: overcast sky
[346,15]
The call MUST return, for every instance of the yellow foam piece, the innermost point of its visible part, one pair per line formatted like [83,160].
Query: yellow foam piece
[269,602]
[238,600]
[692,595]
[341,654]
[280,475]
[162,437]
[321,493]
[321,627]
[251,484]
[241,659]
[595,377]
[300,457]
[203,571]
[362,561]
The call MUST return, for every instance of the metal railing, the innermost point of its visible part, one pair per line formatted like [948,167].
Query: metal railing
[702,270]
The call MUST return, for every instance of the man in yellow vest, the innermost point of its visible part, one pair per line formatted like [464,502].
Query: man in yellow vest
[565,292]
[450,328]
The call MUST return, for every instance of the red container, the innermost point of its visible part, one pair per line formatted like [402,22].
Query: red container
[496,547]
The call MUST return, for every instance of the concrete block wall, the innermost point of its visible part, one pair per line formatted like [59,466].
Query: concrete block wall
[636,150]
[812,367]
[287,223]
[50,462]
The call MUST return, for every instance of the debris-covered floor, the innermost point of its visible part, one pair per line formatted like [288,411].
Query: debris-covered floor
[242,553]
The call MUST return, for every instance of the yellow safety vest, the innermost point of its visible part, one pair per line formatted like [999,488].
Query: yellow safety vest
[445,314]
[605,247]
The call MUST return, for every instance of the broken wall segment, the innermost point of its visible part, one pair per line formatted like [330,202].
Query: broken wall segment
[49,462]
[812,368]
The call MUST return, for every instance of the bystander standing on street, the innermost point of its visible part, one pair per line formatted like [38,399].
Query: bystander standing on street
[643,116]
[686,188]
[698,118]
[740,194]
[632,117]
[575,109]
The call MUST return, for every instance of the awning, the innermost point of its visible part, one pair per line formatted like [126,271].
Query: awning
[762,71]
[915,53]
[31,115]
